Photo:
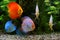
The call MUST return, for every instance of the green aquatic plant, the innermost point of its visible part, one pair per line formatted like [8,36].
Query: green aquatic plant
[56,2]
[3,4]
[1,17]
[52,8]
[47,1]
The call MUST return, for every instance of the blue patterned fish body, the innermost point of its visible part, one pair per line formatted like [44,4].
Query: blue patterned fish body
[9,27]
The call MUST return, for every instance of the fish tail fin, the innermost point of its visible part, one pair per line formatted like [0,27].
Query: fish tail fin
[51,28]
[36,18]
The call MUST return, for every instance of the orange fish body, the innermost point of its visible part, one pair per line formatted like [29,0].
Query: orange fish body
[14,10]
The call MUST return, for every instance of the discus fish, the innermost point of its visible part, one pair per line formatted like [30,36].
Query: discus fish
[27,24]
[15,10]
[9,27]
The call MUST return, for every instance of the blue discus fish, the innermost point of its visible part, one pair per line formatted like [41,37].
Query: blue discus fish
[9,27]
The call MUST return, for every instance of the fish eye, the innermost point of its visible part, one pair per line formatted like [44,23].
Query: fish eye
[20,10]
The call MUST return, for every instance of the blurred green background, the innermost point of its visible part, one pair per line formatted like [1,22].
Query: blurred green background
[46,8]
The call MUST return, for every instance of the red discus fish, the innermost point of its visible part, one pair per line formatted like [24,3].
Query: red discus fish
[14,10]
